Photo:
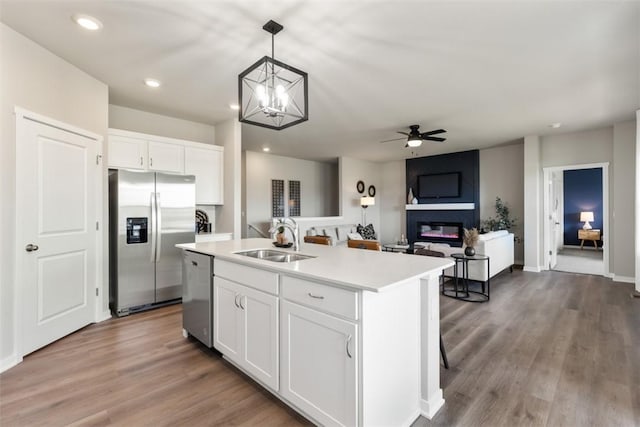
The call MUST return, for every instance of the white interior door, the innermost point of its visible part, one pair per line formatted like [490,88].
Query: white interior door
[556,212]
[55,232]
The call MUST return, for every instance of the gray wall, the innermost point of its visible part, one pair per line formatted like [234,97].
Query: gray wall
[393,218]
[318,186]
[624,154]
[501,175]
[350,172]
[36,80]
[156,124]
[615,145]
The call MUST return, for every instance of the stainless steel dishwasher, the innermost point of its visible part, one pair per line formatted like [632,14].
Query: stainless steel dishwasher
[197,296]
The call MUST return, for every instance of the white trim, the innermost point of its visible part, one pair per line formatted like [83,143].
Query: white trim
[531,269]
[22,113]
[623,279]
[441,207]
[429,408]
[9,362]
[146,136]
[637,204]
[605,211]
[103,315]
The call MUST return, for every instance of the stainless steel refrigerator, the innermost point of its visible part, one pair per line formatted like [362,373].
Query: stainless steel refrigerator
[149,213]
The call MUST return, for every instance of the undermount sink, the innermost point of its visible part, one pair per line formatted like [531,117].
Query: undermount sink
[273,255]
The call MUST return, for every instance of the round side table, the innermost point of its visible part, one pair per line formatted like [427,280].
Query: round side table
[461,289]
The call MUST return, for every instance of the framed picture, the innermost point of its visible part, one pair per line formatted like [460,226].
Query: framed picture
[372,191]
[277,198]
[360,187]
[294,198]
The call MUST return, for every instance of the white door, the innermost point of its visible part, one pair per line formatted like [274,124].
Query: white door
[260,335]
[319,364]
[555,216]
[55,231]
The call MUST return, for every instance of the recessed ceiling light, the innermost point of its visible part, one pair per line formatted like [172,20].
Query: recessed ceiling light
[152,82]
[555,125]
[266,149]
[87,22]
[234,106]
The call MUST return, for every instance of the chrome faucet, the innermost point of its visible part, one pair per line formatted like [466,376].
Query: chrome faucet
[290,225]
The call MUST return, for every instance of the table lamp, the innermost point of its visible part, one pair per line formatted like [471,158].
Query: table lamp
[586,217]
[365,202]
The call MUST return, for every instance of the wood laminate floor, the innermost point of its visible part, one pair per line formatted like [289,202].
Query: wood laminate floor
[548,349]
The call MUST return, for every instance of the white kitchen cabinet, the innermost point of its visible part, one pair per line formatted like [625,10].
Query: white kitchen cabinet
[319,364]
[127,153]
[166,157]
[206,163]
[246,329]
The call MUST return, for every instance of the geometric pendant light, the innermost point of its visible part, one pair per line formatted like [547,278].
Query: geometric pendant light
[271,93]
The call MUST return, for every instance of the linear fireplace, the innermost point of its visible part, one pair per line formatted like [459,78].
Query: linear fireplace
[439,232]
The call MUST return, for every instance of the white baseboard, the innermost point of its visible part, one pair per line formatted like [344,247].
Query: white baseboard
[623,279]
[9,362]
[429,408]
[105,315]
[531,269]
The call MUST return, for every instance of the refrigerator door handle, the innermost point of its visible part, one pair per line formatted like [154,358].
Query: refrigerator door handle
[158,227]
[153,227]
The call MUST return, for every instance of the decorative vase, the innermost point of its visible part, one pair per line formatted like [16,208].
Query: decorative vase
[410,196]
[469,251]
[414,201]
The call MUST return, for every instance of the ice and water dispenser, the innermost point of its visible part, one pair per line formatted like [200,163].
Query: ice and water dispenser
[136,230]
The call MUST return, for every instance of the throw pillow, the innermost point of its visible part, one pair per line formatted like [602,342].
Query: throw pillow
[354,236]
[367,232]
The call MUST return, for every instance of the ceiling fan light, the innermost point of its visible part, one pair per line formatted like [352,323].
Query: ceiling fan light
[414,142]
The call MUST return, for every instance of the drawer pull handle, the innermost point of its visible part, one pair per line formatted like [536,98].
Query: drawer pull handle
[315,296]
[240,300]
[236,301]
[349,342]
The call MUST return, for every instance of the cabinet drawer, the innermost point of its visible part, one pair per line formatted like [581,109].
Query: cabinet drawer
[266,281]
[589,234]
[323,297]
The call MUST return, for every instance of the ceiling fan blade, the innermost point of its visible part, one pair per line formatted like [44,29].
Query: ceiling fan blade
[434,138]
[403,133]
[391,140]
[433,132]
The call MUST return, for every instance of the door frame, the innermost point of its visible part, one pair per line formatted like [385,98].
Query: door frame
[546,234]
[22,115]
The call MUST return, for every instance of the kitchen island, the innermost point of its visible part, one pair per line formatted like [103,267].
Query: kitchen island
[345,336]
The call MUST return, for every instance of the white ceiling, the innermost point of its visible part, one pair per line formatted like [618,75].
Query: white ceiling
[488,72]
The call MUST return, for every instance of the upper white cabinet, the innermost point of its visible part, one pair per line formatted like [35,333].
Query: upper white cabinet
[133,150]
[206,163]
[166,157]
[127,153]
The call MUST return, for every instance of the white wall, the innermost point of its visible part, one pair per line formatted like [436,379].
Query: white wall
[318,186]
[393,215]
[532,204]
[228,216]
[156,124]
[36,80]
[350,171]
[501,175]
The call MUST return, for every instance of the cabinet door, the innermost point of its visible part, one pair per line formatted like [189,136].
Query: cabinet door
[260,335]
[127,153]
[319,364]
[227,318]
[206,164]
[166,157]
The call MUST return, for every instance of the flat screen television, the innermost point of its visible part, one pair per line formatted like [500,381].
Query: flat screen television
[439,185]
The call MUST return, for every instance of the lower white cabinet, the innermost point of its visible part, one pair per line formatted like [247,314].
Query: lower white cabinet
[246,329]
[319,364]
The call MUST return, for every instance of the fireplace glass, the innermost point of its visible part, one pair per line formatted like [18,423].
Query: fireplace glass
[439,232]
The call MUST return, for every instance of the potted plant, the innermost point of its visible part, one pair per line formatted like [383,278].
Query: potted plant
[502,220]
[470,240]
[280,237]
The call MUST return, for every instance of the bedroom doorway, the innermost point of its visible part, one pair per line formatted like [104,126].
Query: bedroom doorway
[576,219]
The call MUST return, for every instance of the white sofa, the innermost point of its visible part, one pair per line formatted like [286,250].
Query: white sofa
[497,245]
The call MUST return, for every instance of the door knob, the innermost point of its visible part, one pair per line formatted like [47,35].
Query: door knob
[30,247]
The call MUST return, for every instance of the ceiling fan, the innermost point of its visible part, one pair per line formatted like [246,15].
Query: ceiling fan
[415,138]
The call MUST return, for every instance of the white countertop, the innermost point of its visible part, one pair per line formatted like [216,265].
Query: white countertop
[354,268]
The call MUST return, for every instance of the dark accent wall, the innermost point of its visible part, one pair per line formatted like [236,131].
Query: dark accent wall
[467,163]
[582,190]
